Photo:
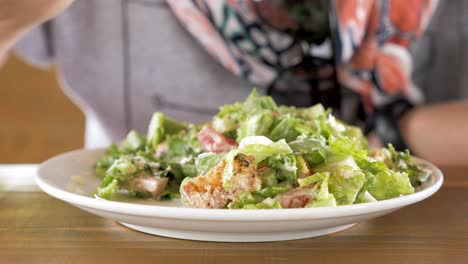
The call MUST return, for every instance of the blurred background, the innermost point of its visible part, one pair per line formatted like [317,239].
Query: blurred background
[38,121]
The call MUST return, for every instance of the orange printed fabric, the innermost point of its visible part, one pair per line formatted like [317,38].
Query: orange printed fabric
[371,48]
[374,39]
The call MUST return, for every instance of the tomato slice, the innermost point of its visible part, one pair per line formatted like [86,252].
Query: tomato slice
[213,141]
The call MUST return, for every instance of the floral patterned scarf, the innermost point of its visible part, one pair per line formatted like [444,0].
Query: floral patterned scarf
[371,44]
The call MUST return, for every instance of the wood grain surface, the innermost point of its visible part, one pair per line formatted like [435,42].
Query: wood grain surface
[36,228]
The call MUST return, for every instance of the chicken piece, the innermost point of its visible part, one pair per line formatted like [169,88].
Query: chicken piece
[296,198]
[206,191]
[148,186]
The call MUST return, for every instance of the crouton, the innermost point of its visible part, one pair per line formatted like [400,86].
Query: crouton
[207,191]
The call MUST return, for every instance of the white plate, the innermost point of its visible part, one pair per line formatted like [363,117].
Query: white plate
[69,177]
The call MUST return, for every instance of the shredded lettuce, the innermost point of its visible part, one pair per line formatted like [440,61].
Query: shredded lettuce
[294,149]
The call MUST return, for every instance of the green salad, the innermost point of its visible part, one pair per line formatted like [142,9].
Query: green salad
[256,155]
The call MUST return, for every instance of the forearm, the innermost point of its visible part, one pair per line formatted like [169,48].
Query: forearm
[18,16]
[438,133]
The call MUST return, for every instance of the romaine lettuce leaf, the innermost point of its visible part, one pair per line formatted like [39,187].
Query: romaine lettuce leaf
[285,167]
[345,190]
[254,103]
[231,116]
[243,199]
[285,129]
[108,187]
[268,177]
[346,179]
[179,171]
[228,118]
[322,197]
[262,147]
[122,169]
[389,184]
[321,194]
[168,195]
[363,195]
[309,113]
[205,161]
[160,126]
[268,203]
[302,166]
[343,147]
[312,149]
[314,178]
[355,134]
[373,166]
[228,171]
[256,125]
[403,162]
[133,142]
[271,191]
[129,166]
[102,165]
[182,148]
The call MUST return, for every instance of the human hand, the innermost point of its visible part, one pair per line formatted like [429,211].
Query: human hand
[19,16]
[438,132]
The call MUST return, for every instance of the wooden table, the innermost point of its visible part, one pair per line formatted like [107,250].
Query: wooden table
[36,228]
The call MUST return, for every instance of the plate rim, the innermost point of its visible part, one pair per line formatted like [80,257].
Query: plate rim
[269,215]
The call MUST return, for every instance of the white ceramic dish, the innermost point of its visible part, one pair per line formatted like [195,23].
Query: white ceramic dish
[69,177]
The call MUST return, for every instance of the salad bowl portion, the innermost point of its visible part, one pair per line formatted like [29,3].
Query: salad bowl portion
[255,172]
